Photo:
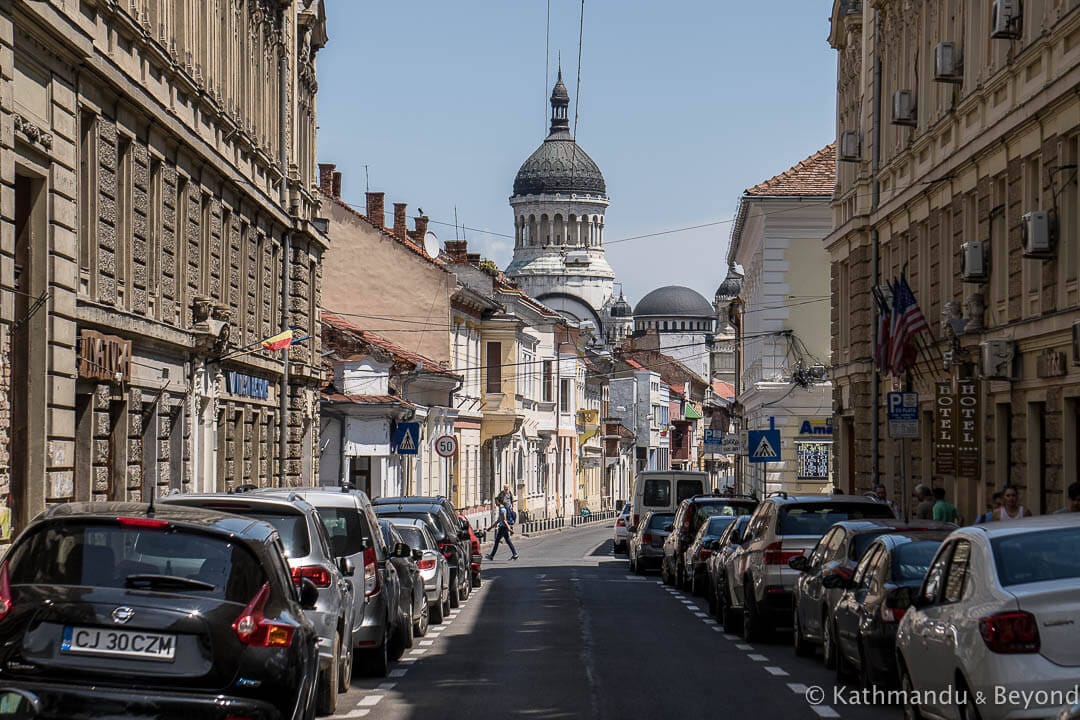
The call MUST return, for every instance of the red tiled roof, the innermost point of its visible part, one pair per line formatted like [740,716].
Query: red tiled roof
[724,389]
[379,341]
[633,363]
[816,175]
[408,242]
[367,399]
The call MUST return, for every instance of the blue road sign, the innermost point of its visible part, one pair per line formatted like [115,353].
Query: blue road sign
[763,446]
[903,414]
[407,438]
[713,438]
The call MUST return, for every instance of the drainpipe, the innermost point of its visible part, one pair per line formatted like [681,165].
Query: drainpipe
[286,244]
[875,251]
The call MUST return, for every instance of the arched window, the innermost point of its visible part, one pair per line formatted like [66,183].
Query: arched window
[682,325]
[532,229]
[665,325]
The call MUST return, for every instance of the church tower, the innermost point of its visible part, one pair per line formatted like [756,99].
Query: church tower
[559,202]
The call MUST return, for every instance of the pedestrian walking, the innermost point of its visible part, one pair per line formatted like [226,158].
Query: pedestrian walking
[1011,509]
[1074,500]
[503,531]
[944,511]
[991,508]
[505,497]
[924,510]
[882,494]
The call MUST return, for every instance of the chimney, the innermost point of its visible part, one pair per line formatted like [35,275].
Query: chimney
[326,179]
[337,185]
[375,209]
[458,250]
[399,221]
[421,227]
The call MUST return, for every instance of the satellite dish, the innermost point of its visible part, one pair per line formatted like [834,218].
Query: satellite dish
[431,245]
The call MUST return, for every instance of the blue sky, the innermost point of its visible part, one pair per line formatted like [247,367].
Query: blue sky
[684,104]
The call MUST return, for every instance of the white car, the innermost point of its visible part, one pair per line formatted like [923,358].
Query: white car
[994,632]
[622,522]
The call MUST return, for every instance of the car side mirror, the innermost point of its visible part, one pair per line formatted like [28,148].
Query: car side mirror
[464,535]
[309,594]
[902,598]
[836,580]
[348,569]
[401,550]
[800,563]
[417,555]
[19,704]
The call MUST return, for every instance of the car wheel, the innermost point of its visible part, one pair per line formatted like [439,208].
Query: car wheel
[328,682]
[476,579]
[407,629]
[710,595]
[967,709]
[397,642]
[435,614]
[446,601]
[752,630]
[731,617]
[664,576]
[466,588]
[843,667]
[802,647]
[911,709]
[455,597]
[421,626]
[828,643]
[866,672]
[345,673]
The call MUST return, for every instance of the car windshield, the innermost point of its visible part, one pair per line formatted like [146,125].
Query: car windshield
[657,492]
[1038,556]
[817,518]
[712,509]
[660,520]
[412,536]
[428,520]
[172,560]
[911,561]
[291,527]
[717,525]
[345,530]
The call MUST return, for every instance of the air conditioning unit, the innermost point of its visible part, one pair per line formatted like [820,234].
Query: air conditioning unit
[816,372]
[997,359]
[1076,343]
[974,263]
[903,108]
[947,63]
[1007,20]
[1037,231]
[850,146]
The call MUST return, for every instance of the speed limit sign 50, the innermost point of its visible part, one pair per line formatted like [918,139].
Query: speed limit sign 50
[446,446]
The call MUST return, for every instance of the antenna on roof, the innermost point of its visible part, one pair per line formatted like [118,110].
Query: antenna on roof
[367,183]
[456,224]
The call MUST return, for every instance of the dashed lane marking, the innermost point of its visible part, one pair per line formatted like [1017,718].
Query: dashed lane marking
[744,646]
[710,621]
[355,713]
[729,636]
[701,614]
[718,629]
[797,688]
[415,653]
[427,643]
[370,700]
[400,672]
[777,671]
[825,711]
[758,658]
[386,686]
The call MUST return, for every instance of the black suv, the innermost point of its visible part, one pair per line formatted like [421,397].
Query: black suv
[110,609]
[451,534]
[691,515]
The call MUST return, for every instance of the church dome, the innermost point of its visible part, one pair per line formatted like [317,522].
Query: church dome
[732,285]
[621,308]
[673,301]
[559,165]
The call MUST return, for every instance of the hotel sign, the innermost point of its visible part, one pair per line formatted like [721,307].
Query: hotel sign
[944,429]
[104,357]
[968,432]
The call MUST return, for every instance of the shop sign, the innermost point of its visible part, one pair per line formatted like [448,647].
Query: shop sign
[104,357]
[944,429]
[968,433]
[820,427]
[247,385]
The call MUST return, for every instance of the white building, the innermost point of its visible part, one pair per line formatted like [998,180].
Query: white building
[683,320]
[783,317]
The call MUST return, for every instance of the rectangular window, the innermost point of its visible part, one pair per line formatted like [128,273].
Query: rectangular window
[947,253]
[548,382]
[566,389]
[262,323]
[88,221]
[276,321]
[1070,232]
[313,309]
[124,227]
[242,283]
[494,367]
[843,316]
[205,247]
[999,251]
[181,252]
[153,241]
[526,373]
[226,257]
[1032,269]
[1036,458]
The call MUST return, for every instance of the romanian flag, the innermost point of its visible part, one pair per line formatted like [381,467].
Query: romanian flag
[279,341]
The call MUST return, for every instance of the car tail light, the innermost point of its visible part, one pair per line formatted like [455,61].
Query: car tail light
[621,522]
[686,523]
[647,538]
[703,554]
[143,522]
[775,554]
[5,592]
[425,564]
[1010,633]
[892,614]
[253,629]
[315,573]
[447,550]
[371,573]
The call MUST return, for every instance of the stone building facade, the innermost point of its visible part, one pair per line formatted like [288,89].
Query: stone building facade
[158,173]
[985,142]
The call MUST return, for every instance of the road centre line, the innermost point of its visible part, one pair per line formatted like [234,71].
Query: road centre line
[397,673]
[777,671]
[744,646]
[370,700]
[825,711]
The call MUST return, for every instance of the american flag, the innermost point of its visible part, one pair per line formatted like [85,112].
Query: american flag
[907,322]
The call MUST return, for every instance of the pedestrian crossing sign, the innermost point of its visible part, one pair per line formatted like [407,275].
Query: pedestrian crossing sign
[407,438]
[763,446]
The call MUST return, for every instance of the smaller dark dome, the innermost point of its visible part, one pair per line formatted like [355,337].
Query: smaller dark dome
[732,285]
[674,301]
[621,308]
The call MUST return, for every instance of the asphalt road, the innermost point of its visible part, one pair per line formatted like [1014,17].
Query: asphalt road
[567,632]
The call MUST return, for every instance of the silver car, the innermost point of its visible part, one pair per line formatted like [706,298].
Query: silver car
[647,541]
[622,525]
[432,565]
[308,551]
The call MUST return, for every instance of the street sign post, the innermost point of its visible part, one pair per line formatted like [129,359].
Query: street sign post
[730,445]
[903,414]
[712,439]
[407,438]
[446,446]
[764,445]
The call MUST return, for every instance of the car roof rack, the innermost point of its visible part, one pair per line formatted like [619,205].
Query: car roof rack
[778,493]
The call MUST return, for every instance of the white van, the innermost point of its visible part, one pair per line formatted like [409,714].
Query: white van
[663,490]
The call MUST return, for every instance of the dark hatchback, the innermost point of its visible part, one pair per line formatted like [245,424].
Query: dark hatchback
[108,611]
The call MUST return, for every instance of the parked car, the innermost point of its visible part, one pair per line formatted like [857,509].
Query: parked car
[351,525]
[701,548]
[433,567]
[412,602]
[307,549]
[107,609]
[874,600]
[997,609]
[477,555]
[783,527]
[663,490]
[454,541]
[647,544]
[690,516]
[836,553]
[716,566]
[622,527]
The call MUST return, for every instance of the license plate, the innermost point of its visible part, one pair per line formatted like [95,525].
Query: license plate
[118,643]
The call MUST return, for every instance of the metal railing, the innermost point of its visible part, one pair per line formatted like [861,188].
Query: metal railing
[600,516]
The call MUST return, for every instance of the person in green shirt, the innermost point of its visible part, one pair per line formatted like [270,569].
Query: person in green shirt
[944,511]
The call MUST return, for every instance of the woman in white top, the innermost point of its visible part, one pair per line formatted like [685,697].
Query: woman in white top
[1011,509]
